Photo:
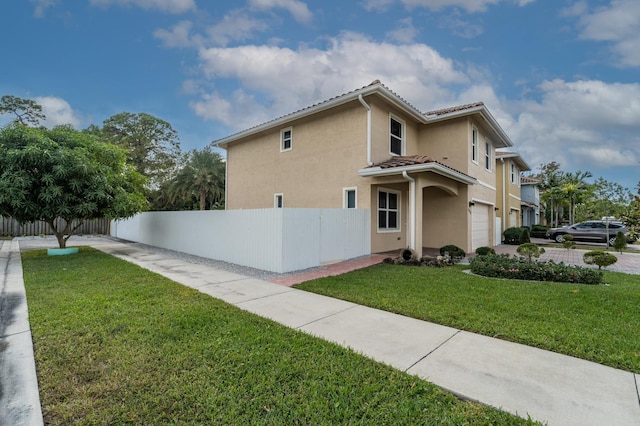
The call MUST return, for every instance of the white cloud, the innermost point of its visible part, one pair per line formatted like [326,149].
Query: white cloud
[298,9]
[58,112]
[168,6]
[41,6]
[286,80]
[470,6]
[235,26]
[178,36]
[405,33]
[580,124]
[619,24]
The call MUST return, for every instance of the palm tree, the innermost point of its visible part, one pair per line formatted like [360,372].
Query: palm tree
[574,188]
[202,178]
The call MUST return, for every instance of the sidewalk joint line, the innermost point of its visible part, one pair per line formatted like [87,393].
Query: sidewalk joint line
[433,350]
[326,316]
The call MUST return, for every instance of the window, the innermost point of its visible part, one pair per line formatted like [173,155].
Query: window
[487,155]
[514,173]
[278,201]
[474,145]
[388,210]
[286,138]
[350,198]
[396,129]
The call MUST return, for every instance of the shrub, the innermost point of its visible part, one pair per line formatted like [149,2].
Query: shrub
[484,250]
[524,236]
[600,258]
[539,231]
[454,251]
[512,235]
[502,266]
[620,242]
[568,242]
[529,250]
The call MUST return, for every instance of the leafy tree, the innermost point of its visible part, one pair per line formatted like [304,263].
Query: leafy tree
[550,178]
[568,242]
[26,111]
[152,145]
[620,243]
[604,199]
[600,258]
[64,174]
[575,187]
[202,177]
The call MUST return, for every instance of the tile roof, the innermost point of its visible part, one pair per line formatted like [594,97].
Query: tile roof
[528,179]
[454,109]
[413,160]
[405,160]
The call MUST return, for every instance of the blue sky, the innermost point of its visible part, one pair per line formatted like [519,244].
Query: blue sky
[560,76]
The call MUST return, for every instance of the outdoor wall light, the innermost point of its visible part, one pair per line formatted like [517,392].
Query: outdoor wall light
[471,203]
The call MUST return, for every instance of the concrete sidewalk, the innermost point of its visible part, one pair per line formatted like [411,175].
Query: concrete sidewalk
[549,387]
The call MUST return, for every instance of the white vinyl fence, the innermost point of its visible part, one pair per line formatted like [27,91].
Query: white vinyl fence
[277,240]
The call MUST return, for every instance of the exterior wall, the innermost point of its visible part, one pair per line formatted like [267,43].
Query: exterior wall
[444,142]
[326,154]
[381,112]
[509,200]
[382,241]
[278,240]
[446,218]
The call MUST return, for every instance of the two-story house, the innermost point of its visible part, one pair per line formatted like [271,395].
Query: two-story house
[530,194]
[509,166]
[428,179]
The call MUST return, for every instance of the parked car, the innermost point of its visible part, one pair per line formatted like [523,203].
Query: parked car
[593,231]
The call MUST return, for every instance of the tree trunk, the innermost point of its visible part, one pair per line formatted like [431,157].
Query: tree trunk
[203,199]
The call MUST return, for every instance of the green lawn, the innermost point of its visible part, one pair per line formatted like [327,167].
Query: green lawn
[117,344]
[597,323]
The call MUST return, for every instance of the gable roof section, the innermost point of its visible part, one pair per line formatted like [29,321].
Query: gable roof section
[377,88]
[528,180]
[524,167]
[414,164]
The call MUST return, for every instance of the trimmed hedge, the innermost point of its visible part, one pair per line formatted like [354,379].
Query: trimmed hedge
[503,266]
[484,250]
[512,235]
[454,251]
[539,231]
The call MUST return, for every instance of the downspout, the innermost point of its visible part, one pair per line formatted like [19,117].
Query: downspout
[412,209]
[364,104]
[504,200]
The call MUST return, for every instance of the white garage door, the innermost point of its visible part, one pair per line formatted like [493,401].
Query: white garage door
[479,226]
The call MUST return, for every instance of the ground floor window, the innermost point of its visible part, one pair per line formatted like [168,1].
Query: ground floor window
[350,198]
[388,210]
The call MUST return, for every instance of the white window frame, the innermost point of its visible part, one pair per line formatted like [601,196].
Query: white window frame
[397,210]
[474,145]
[402,134]
[345,198]
[283,139]
[515,173]
[278,197]
[487,155]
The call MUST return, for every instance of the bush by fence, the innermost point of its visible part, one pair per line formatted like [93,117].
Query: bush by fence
[10,227]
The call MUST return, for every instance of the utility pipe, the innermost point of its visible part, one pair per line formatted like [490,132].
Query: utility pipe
[412,209]
[505,181]
[364,104]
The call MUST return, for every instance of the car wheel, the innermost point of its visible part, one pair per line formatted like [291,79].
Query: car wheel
[612,240]
[559,238]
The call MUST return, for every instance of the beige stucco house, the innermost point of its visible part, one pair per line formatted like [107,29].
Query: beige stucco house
[509,166]
[428,179]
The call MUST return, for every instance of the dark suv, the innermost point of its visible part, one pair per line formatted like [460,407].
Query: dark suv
[593,231]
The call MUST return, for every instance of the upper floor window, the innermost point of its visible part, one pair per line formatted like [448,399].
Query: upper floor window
[396,129]
[388,210]
[350,198]
[514,174]
[278,201]
[474,145]
[487,155]
[286,139]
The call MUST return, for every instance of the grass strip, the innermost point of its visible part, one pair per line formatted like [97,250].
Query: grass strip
[116,344]
[597,323]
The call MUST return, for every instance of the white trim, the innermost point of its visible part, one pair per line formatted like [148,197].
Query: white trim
[487,155]
[403,135]
[513,196]
[282,139]
[486,185]
[399,211]
[345,198]
[275,200]
[428,167]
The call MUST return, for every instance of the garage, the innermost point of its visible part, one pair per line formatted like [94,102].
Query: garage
[480,226]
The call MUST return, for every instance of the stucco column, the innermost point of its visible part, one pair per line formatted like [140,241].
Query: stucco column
[419,200]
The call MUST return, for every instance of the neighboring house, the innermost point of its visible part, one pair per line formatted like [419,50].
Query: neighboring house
[530,194]
[509,165]
[428,179]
